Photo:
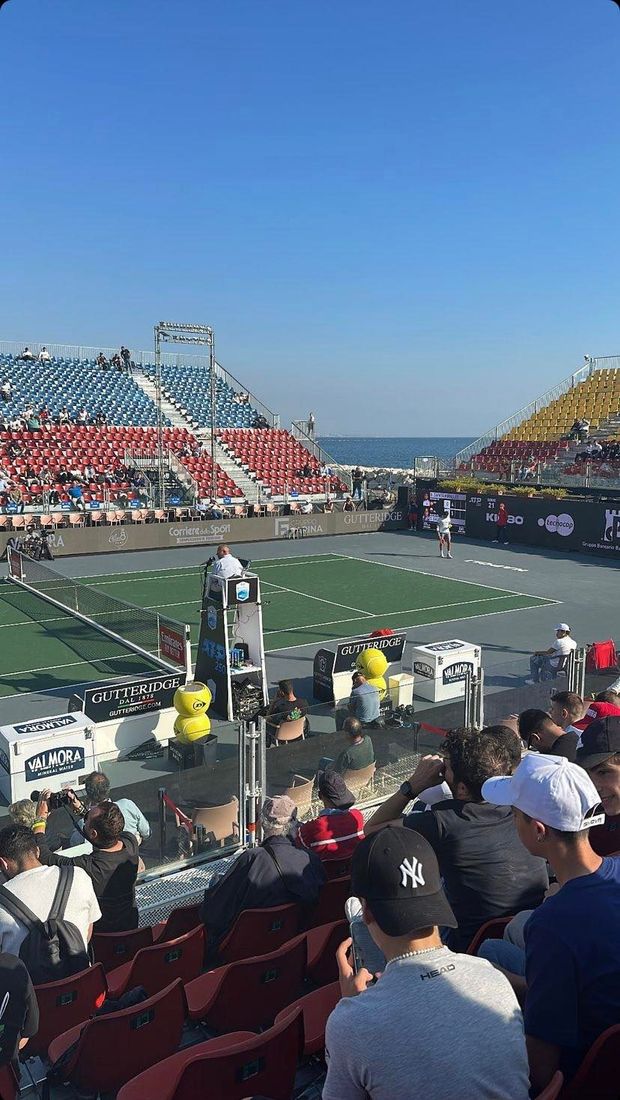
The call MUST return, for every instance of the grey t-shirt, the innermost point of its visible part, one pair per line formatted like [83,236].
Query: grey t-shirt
[433,1026]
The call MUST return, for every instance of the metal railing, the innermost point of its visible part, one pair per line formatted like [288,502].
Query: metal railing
[550,476]
[299,431]
[609,362]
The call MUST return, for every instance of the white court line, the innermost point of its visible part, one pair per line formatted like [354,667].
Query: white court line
[391,614]
[416,626]
[321,599]
[455,580]
[318,559]
[69,664]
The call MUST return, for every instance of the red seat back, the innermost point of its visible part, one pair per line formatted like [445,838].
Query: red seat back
[490,930]
[330,906]
[114,1048]
[115,948]
[254,990]
[180,920]
[260,931]
[155,967]
[65,1003]
[323,943]
[597,1076]
[263,1066]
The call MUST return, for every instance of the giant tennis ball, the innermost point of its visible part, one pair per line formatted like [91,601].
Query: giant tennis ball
[371,662]
[194,698]
[192,728]
[379,683]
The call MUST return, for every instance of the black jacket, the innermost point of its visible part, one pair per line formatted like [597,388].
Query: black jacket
[253,881]
[113,875]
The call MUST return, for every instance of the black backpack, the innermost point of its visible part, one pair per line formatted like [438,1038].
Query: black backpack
[53,948]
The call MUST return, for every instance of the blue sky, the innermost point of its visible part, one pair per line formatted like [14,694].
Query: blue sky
[403,216]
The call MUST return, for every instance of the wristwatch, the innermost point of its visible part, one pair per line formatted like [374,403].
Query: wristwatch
[405,790]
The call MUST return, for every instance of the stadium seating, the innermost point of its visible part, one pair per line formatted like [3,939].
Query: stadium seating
[276,460]
[189,388]
[66,1003]
[76,383]
[181,920]
[597,1076]
[113,949]
[155,967]
[316,1007]
[268,928]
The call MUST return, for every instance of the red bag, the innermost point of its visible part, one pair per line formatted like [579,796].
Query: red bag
[601,656]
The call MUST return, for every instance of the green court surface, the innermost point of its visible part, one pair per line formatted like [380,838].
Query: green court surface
[311,599]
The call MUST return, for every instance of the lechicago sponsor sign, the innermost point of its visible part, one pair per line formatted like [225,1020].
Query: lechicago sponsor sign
[590,526]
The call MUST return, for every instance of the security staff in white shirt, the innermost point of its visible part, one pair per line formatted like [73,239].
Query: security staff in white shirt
[225,565]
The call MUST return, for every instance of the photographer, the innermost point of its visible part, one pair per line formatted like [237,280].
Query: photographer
[112,865]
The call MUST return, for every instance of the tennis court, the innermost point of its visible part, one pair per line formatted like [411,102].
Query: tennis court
[310,599]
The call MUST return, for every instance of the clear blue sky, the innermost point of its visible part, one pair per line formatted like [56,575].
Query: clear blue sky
[402,215]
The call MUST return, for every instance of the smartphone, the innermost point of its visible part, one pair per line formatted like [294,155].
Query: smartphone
[365,951]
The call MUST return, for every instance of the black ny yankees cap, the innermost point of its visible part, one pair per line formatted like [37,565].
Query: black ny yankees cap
[397,873]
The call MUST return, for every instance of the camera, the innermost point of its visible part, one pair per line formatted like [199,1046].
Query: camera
[56,800]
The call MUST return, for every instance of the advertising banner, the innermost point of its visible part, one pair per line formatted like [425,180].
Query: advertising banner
[592,527]
[128,698]
[211,657]
[433,504]
[171,644]
[391,644]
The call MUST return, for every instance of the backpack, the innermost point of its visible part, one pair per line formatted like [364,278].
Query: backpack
[53,948]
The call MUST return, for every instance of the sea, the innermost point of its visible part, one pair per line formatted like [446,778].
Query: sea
[396,451]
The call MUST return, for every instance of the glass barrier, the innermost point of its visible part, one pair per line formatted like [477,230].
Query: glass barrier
[190,798]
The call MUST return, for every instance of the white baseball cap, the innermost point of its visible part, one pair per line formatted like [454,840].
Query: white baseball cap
[563,626]
[549,789]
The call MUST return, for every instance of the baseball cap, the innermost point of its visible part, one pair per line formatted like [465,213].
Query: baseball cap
[332,786]
[563,626]
[397,873]
[279,810]
[549,789]
[599,741]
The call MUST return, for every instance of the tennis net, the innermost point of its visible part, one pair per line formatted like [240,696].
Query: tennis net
[153,636]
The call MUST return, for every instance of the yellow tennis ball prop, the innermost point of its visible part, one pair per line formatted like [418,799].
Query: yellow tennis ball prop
[379,683]
[192,699]
[371,662]
[191,728]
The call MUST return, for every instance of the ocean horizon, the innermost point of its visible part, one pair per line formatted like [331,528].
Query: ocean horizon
[390,451]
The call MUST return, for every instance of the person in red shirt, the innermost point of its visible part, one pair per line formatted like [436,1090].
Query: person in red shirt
[604,705]
[501,524]
[600,756]
[338,829]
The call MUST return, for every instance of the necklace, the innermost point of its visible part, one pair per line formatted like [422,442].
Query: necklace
[410,954]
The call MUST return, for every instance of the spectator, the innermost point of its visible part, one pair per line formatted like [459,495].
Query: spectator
[26,354]
[274,873]
[566,710]
[364,701]
[328,507]
[19,1010]
[35,885]
[63,416]
[357,478]
[23,812]
[358,754]
[102,362]
[338,829]
[570,971]
[348,505]
[100,419]
[382,1040]
[485,870]
[605,704]
[501,526]
[44,356]
[539,732]
[76,496]
[112,865]
[599,754]
[82,416]
[97,788]
[545,663]
[305,507]
[285,707]
[6,390]
[311,425]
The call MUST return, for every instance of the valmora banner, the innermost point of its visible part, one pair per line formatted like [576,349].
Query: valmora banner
[592,527]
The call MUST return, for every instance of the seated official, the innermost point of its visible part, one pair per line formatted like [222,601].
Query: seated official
[364,701]
[539,732]
[275,873]
[435,1025]
[285,707]
[569,975]
[599,754]
[226,565]
[358,754]
[486,871]
[545,663]
[338,829]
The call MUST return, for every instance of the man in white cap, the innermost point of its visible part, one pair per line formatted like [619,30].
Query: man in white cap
[570,980]
[546,663]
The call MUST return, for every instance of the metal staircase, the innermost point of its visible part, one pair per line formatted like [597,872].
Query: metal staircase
[169,410]
[250,488]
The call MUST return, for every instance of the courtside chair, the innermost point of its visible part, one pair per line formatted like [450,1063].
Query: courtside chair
[112,1049]
[155,967]
[291,731]
[231,1067]
[248,994]
[114,949]
[64,1004]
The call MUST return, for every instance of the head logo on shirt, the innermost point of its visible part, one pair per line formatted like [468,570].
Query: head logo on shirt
[411,869]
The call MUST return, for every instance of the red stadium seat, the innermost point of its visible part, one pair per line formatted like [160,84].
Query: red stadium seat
[330,906]
[261,929]
[323,942]
[232,1067]
[114,1048]
[155,967]
[597,1076]
[316,1007]
[64,1004]
[490,930]
[248,994]
[181,920]
[113,949]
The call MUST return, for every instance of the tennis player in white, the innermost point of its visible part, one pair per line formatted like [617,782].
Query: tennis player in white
[443,533]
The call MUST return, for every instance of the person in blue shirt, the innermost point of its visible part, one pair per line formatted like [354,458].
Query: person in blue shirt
[97,788]
[364,700]
[571,980]
[76,497]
